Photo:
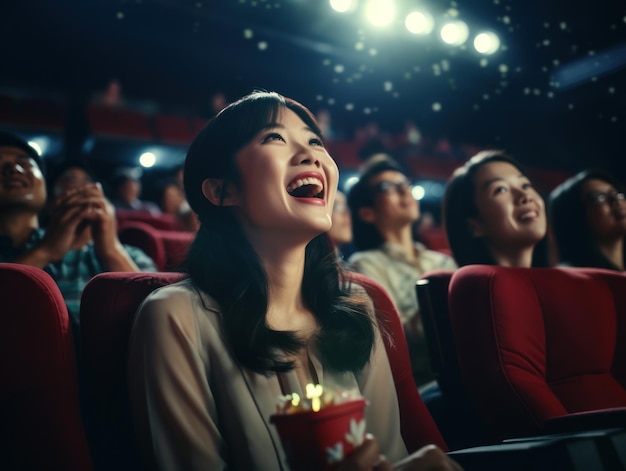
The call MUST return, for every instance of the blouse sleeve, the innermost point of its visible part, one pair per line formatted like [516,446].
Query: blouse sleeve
[382,413]
[172,405]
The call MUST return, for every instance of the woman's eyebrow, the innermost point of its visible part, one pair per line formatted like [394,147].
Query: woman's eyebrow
[487,183]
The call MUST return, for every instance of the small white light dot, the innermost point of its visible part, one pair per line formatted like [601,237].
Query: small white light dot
[248,33]
[485,96]
[611,90]
[388,86]
[527,91]
[120,15]
[367,110]
[359,46]
[349,106]
[550,94]
[339,69]
[546,42]
[319,97]
[536,92]
[570,106]
[331,101]
[262,45]
[373,52]
[614,119]
[506,20]
[484,62]
[563,25]
[436,106]
[503,68]
[326,62]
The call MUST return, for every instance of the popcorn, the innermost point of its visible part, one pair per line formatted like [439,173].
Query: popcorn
[317,398]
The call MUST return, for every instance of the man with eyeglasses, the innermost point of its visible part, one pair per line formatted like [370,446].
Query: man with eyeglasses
[384,212]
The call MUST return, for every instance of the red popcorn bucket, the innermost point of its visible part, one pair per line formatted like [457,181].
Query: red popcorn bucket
[320,440]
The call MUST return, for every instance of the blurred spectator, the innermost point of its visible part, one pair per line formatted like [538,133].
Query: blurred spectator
[341,231]
[171,200]
[383,214]
[80,239]
[588,221]
[126,187]
[111,96]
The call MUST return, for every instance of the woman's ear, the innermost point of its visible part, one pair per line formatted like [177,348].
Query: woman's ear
[214,191]
[475,227]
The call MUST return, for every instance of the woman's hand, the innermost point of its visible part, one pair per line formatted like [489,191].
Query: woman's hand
[427,458]
[368,457]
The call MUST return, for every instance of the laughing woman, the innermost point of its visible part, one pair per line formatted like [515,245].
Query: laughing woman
[265,310]
[493,215]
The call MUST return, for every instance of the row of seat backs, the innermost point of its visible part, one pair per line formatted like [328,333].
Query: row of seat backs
[525,345]
[167,248]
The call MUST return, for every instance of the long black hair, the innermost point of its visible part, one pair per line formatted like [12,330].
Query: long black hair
[575,243]
[223,263]
[459,205]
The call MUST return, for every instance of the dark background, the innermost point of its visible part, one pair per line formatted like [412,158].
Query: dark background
[554,96]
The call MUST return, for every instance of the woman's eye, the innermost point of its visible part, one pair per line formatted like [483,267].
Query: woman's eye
[316,141]
[499,189]
[527,185]
[274,136]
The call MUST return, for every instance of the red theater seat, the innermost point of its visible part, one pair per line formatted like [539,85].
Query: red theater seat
[174,129]
[534,344]
[162,221]
[168,249]
[109,121]
[40,422]
[108,308]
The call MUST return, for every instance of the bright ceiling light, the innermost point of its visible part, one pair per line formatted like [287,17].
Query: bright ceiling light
[147,159]
[419,22]
[342,6]
[418,192]
[455,33]
[35,145]
[486,43]
[380,12]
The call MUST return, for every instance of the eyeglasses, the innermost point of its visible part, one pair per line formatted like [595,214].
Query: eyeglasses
[599,198]
[387,187]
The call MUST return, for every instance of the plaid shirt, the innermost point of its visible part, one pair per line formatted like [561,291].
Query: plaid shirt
[75,269]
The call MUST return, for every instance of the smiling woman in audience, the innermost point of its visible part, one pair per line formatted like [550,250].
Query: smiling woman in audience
[588,221]
[266,309]
[492,213]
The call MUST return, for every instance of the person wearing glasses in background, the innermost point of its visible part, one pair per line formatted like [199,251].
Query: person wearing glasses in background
[383,214]
[588,221]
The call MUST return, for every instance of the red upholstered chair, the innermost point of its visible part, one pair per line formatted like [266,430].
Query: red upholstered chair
[108,308]
[538,343]
[40,421]
[162,221]
[168,249]
[417,425]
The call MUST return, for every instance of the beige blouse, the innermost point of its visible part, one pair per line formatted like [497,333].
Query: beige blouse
[195,408]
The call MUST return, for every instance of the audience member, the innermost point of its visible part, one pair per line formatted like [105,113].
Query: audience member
[126,185]
[266,310]
[588,221]
[171,199]
[340,232]
[383,214]
[80,239]
[493,215]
